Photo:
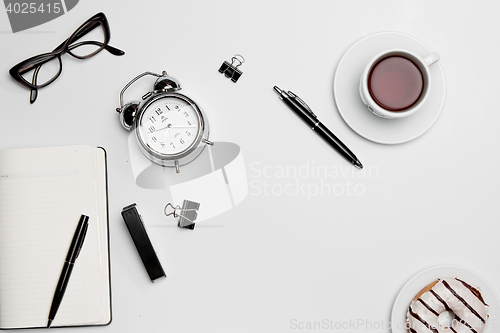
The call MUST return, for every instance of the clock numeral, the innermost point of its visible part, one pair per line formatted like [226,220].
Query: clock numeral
[151,129]
[177,107]
[188,133]
[163,145]
[158,111]
[172,144]
[182,141]
[154,139]
[189,123]
[167,107]
[186,114]
[152,119]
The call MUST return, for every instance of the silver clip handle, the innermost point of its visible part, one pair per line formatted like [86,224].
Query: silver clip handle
[302,103]
[178,208]
[239,58]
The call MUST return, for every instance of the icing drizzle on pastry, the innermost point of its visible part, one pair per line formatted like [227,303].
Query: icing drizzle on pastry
[470,312]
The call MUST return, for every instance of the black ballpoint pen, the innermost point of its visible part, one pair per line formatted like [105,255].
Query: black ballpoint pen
[74,251]
[300,108]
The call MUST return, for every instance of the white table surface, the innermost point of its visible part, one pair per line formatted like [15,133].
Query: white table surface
[280,261]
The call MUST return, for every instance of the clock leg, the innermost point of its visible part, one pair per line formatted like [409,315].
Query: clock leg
[205,141]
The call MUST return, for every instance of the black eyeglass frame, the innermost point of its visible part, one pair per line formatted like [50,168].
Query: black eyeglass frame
[65,47]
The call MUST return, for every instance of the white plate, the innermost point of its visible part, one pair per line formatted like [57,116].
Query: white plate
[419,281]
[356,114]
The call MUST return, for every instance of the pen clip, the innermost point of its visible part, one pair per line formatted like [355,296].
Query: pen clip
[301,103]
[82,238]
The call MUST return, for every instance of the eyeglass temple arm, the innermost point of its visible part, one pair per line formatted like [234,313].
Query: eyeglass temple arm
[98,20]
[33,91]
[91,26]
[113,50]
[37,65]
[88,28]
[109,48]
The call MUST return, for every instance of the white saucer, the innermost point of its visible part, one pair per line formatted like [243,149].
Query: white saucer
[422,279]
[356,114]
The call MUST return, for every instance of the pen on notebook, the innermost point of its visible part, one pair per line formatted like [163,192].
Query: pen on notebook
[300,108]
[73,252]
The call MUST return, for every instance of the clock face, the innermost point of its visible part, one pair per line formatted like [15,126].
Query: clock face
[169,125]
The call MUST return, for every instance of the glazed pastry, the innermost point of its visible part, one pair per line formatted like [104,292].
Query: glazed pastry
[465,302]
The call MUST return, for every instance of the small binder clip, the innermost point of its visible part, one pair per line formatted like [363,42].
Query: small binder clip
[230,70]
[186,220]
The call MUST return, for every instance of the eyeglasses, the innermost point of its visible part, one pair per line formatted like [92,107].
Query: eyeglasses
[51,61]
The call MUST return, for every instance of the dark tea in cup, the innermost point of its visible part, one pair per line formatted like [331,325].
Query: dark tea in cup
[395,83]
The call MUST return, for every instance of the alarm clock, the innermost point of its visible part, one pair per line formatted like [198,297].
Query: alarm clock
[171,129]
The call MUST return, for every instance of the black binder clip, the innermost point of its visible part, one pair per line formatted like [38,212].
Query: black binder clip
[190,213]
[230,70]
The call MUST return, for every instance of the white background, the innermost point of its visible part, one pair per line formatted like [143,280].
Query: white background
[279,259]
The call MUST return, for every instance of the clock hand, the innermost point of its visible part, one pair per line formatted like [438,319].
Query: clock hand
[169,126]
[173,126]
[159,129]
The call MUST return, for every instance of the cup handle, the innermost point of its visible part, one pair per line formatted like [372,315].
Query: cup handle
[431,58]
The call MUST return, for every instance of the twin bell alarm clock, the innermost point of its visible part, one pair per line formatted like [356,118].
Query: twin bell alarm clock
[170,127]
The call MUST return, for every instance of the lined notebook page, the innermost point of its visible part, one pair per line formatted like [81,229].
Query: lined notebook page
[43,193]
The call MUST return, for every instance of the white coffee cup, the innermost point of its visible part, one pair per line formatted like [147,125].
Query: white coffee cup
[378,108]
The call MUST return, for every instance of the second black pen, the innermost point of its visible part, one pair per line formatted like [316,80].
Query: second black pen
[300,108]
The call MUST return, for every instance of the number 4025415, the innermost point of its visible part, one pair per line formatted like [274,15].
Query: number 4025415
[32,8]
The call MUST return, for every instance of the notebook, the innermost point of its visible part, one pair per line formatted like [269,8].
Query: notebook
[43,193]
